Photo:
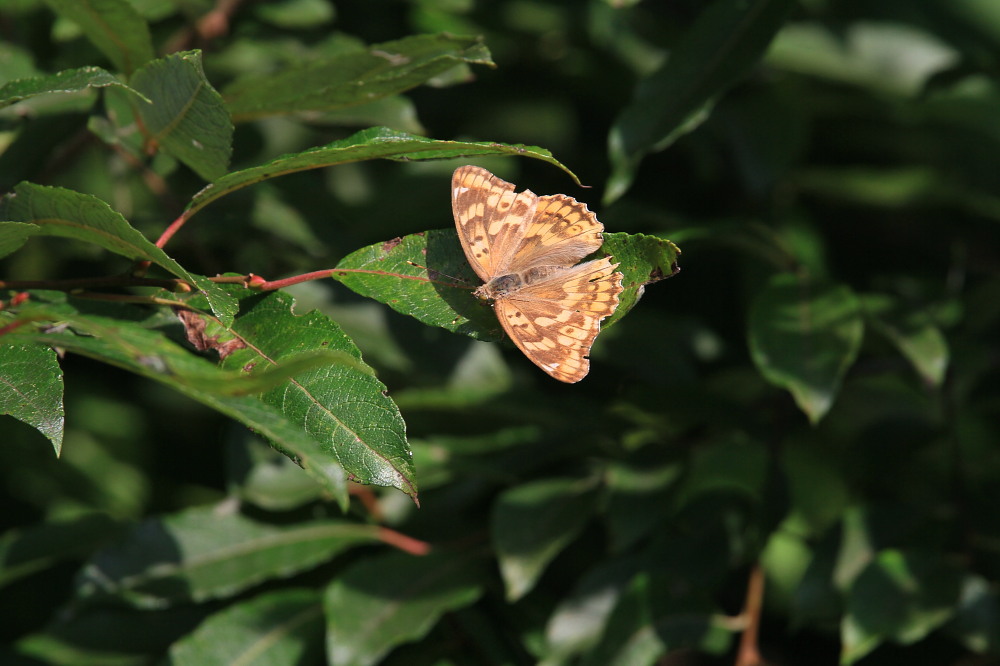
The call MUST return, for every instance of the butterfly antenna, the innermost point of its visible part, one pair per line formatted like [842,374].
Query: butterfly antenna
[434,274]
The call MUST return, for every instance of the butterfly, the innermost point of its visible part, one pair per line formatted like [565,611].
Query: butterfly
[525,248]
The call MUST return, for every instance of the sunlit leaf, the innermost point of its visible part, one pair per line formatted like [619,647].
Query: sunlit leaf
[31,388]
[369,144]
[66,81]
[54,211]
[342,404]
[149,353]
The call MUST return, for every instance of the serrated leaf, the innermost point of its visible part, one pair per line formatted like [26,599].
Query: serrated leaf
[369,144]
[342,405]
[31,388]
[55,211]
[427,276]
[385,601]
[804,337]
[209,553]
[187,117]
[283,627]
[149,353]
[424,275]
[725,42]
[641,260]
[352,78]
[532,523]
[66,81]
[912,332]
[114,27]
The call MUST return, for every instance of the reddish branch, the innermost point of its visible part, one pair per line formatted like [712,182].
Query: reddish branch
[749,654]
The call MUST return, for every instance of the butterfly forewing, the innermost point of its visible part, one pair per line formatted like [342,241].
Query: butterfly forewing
[491,219]
[562,232]
[552,312]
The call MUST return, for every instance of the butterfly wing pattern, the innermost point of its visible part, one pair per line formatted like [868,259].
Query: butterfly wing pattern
[525,248]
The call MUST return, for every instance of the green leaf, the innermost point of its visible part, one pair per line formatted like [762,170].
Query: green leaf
[60,212]
[42,545]
[628,638]
[209,553]
[114,27]
[641,260]
[67,81]
[912,332]
[149,353]
[31,388]
[342,405]
[803,337]
[577,623]
[731,465]
[283,627]
[818,485]
[352,78]
[293,14]
[385,601]
[532,523]
[187,117]
[427,276]
[638,500]
[424,275]
[260,475]
[720,48]
[900,596]
[886,57]
[369,144]
[109,635]
[977,616]
[15,234]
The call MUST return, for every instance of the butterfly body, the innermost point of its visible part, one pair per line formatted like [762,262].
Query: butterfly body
[505,285]
[525,248]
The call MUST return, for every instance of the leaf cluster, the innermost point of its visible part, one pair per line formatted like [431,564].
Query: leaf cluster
[252,412]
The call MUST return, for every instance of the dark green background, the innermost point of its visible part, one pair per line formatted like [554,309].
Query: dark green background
[839,156]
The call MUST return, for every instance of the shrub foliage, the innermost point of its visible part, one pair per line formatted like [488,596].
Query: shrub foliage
[254,414]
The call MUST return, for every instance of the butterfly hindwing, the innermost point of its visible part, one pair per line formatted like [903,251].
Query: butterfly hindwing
[555,321]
